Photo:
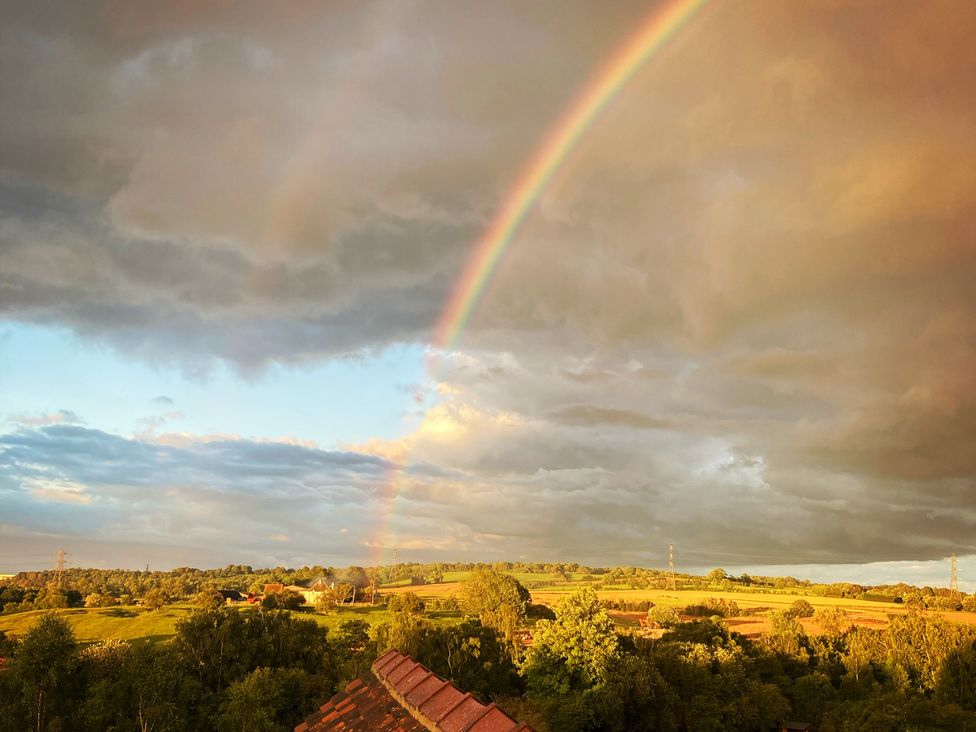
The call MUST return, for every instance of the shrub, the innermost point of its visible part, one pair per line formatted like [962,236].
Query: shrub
[800,609]
[942,603]
[541,612]
[408,603]
[713,606]
[663,617]
[208,599]
[833,620]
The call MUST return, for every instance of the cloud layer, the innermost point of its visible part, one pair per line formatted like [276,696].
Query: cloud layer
[741,319]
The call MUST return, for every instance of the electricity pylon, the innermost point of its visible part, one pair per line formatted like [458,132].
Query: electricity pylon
[672,585]
[59,567]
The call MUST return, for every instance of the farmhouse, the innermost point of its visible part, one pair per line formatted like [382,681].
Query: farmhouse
[313,592]
[401,694]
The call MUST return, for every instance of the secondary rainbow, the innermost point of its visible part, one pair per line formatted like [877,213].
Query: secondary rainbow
[654,32]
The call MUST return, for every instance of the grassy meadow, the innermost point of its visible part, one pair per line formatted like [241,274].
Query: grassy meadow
[94,624]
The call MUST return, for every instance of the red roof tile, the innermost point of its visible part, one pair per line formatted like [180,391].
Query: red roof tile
[364,705]
[438,704]
[403,696]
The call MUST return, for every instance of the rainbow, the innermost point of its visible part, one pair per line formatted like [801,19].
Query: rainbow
[654,32]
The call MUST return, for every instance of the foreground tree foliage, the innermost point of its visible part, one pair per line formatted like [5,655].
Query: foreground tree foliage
[225,669]
[231,669]
[575,651]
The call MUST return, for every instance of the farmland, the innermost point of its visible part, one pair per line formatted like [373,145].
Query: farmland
[138,623]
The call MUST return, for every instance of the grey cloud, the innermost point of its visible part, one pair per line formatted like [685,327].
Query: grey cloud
[746,302]
[188,305]
[235,492]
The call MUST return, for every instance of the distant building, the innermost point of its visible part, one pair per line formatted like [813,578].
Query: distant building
[273,587]
[400,694]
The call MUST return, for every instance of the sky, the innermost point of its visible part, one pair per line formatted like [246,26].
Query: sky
[739,318]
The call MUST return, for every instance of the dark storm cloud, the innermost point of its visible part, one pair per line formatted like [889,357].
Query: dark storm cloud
[742,316]
[185,304]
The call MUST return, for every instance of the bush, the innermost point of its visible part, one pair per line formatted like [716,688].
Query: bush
[408,603]
[540,612]
[833,620]
[96,599]
[663,617]
[942,603]
[208,599]
[713,606]
[284,600]
[800,609]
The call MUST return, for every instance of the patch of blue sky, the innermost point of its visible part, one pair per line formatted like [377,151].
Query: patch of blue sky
[336,402]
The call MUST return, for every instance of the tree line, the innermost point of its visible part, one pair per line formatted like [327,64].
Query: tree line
[100,588]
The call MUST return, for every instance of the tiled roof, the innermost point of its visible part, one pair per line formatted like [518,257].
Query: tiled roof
[365,704]
[402,695]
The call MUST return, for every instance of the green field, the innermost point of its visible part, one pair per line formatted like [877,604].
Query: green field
[135,623]
[93,624]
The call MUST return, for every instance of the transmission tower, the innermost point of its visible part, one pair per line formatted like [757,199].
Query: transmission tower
[672,585]
[954,579]
[393,565]
[59,567]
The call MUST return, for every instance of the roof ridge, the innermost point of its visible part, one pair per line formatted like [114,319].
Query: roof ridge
[484,711]
[435,703]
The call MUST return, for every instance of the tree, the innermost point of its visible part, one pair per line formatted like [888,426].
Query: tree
[498,600]
[284,600]
[208,599]
[44,669]
[957,680]
[833,621]
[325,602]
[155,599]
[408,602]
[801,609]
[716,576]
[267,700]
[574,651]
[96,599]
[663,617]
